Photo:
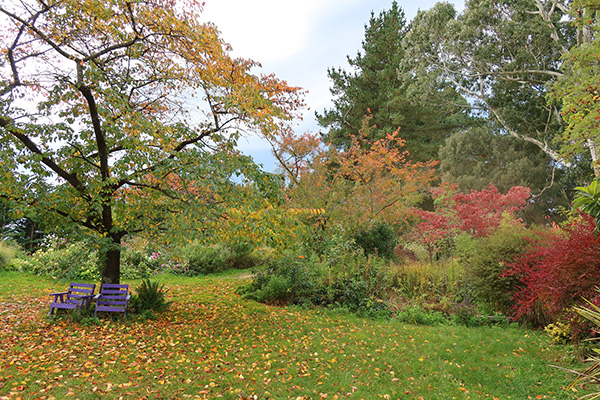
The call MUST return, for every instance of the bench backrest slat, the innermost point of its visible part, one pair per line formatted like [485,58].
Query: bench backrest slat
[81,289]
[113,297]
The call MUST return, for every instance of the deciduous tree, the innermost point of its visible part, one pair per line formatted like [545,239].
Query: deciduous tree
[479,156]
[478,213]
[578,90]
[360,186]
[100,96]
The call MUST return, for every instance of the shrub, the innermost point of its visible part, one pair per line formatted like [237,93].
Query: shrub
[7,254]
[143,263]
[430,281]
[559,271]
[135,264]
[378,240]
[360,286]
[277,289]
[243,256]
[432,234]
[418,316]
[289,279]
[335,240]
[201,259]
[416,251]
[485,261]
[559,332]
[69,261]
[357,283]
[479,213]
[340,250]
[150,296]
[464,246]
[21,264]
[264,255]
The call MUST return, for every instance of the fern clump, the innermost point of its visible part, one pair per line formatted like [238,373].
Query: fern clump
[150,296]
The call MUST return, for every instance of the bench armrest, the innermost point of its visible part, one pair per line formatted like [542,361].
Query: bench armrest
[58,296]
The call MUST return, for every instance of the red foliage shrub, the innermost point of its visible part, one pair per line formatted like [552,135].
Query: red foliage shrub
[430,232]
[560,271]
[480,213]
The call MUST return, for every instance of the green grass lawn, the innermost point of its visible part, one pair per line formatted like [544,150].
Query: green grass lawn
[213,344]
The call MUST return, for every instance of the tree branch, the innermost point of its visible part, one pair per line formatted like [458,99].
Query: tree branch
[99,134]
[157,188]
[39,33]
[9,126]
[542,145]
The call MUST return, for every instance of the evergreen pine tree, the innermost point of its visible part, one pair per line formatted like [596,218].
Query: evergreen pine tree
[377,87]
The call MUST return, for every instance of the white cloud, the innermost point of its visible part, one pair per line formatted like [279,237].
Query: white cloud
[268,30]
[298,40]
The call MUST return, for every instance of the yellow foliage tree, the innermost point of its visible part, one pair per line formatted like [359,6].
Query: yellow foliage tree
[99,96]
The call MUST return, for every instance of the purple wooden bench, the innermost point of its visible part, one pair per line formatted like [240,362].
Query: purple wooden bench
[78,296]
[113,297]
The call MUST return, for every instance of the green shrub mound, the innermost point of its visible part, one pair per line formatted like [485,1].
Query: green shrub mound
[7,254]
[378,240]
[487,259]
[203,259]
[359,286]
[68,261]
[137,264]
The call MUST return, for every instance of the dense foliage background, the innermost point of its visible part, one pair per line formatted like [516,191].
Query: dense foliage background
[441,189]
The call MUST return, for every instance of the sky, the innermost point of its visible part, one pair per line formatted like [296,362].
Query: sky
[298,40]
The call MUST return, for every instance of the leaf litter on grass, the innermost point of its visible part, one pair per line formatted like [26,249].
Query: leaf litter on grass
[212,344]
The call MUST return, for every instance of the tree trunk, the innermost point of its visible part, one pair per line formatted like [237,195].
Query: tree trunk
[32,236]
[111,258]
[594,153]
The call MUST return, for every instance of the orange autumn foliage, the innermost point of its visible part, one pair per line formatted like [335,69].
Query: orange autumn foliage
[357,186]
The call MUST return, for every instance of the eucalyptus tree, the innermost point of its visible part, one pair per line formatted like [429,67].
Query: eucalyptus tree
[503,56]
